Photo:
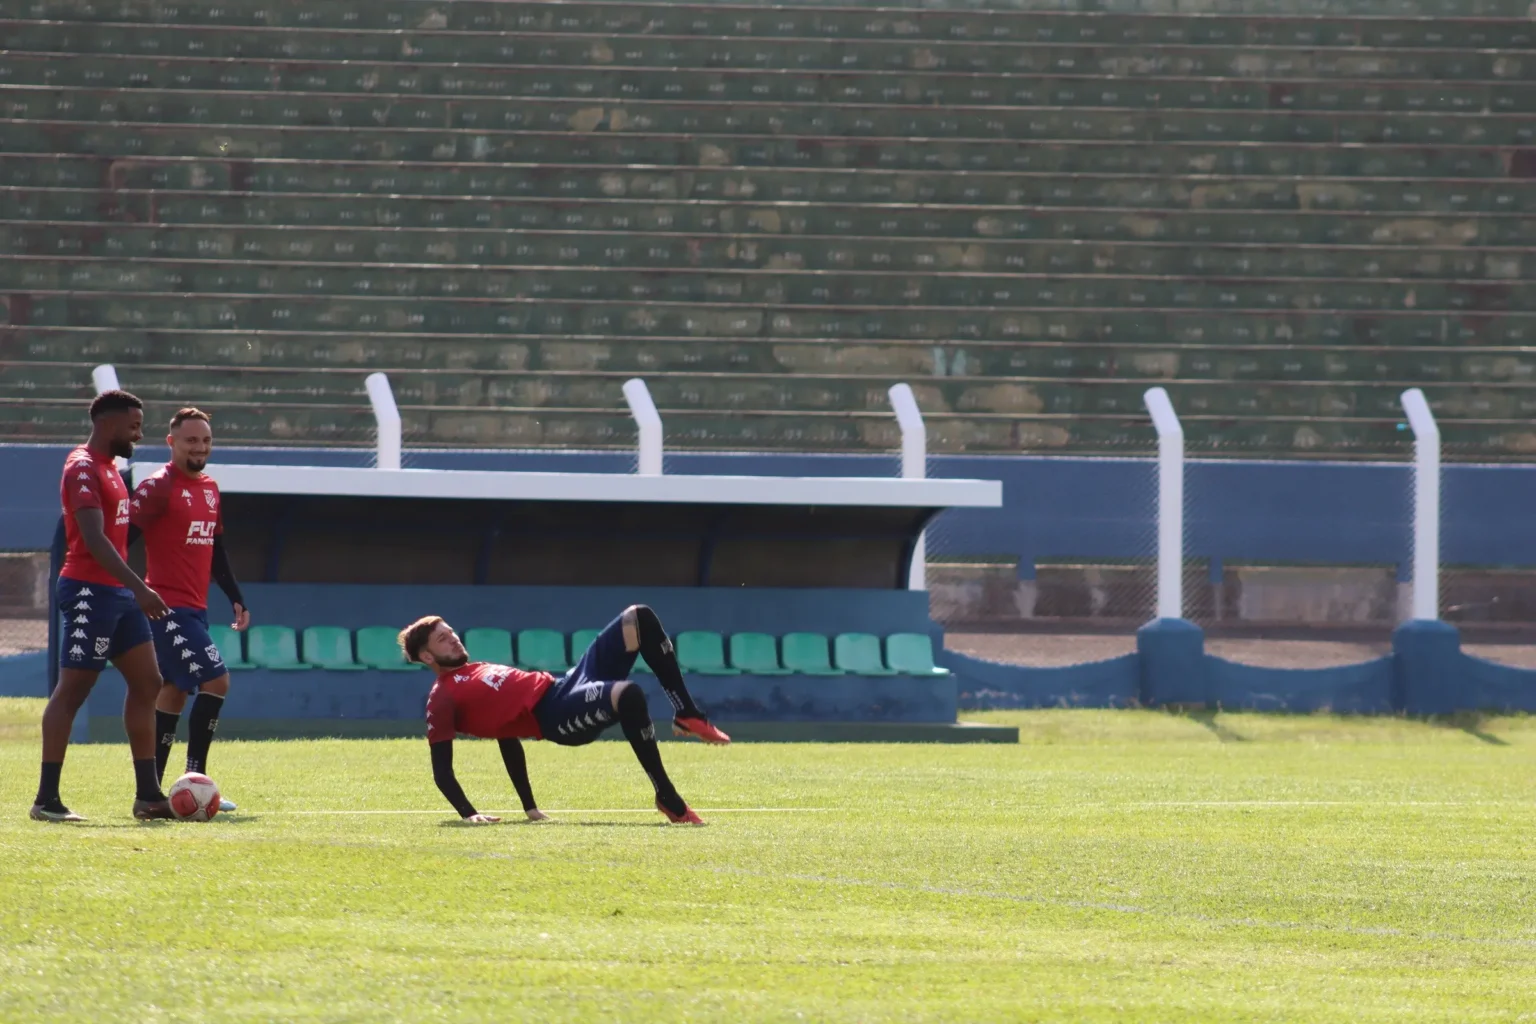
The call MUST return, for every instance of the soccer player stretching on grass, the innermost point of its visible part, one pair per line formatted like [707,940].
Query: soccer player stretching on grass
[177,511]
[508,704]
[104,609]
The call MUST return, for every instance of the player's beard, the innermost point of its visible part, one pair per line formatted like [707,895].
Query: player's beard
[448,664]
[196,465]
[121,449]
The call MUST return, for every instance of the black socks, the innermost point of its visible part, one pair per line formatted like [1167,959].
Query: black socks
[200,728]
[148,783]
[635,719]
[165,739]
[656,649]
[48,787]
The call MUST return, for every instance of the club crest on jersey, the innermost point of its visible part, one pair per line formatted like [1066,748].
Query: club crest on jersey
[212,501]
[211,652]
[101,645]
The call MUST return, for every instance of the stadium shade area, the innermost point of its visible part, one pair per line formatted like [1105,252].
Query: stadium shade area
[1285,213]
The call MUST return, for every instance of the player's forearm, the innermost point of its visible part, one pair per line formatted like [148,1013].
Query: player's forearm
[101,549]
[517,769]
[447,782]
[224,575]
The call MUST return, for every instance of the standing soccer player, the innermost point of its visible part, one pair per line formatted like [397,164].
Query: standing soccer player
[507,704]
[177,511]
[104,609]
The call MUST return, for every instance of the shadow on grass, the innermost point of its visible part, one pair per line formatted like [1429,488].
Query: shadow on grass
[1471,723]
[1207,717]
[562,822]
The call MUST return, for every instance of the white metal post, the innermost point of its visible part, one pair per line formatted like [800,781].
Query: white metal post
[648,421]
[386,415]
[914,466]
[1426,505]
[1170,504]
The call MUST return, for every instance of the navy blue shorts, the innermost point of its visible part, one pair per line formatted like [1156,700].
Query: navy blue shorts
[97,623]
[187,654]
[577,709]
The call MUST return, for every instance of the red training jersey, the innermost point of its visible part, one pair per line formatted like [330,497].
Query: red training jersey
[91,480]
[179,515]
[494,702]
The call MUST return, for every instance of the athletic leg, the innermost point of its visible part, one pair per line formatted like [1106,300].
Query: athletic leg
[137,664]
[643,632]
[635,719]
[168,707]
[204,720]
[58,719]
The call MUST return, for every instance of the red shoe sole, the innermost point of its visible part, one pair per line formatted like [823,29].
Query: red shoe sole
[699,729]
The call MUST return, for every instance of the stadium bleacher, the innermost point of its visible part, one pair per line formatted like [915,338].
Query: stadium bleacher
[1284,214]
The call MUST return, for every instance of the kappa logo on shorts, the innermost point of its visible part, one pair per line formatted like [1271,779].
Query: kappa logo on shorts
[178,641]
[85,592]
[76,652]
[101,645]
[78,634]
[186,655]
[81,619]
[194,667]
[171,627]
[211,652]
[82,606]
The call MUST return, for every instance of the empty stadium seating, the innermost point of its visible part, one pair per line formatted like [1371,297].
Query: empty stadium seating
[1285,212]
[700,652]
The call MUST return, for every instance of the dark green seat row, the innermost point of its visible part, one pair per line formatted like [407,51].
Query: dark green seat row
[1064,155]
[81,223]
[681,392]
[747,289]
[619,85]
[694,115]
[55,422]
[618,253]
[1454,23]
[77,349]
[640,320]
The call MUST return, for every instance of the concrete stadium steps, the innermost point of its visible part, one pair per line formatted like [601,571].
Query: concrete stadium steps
[79,82]
[897,360]
[620,252]
[690,116]
[518,321]
[116,143]
[62,221]
[750,291]
[1335,22]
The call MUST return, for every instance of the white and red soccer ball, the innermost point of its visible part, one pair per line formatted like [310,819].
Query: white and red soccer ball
[194,797]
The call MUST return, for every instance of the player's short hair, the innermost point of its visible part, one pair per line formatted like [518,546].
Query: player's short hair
[415,636]
[114,401]
[190,413]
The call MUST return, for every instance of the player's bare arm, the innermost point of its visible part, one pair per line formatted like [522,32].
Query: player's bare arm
[93,532]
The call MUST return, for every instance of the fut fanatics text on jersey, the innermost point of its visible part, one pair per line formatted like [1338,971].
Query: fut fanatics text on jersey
[179,515]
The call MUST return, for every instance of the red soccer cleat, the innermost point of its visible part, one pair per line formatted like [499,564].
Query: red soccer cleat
[700,728]
[688,817]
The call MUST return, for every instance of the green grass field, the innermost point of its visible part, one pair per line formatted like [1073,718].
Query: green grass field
[1113,866]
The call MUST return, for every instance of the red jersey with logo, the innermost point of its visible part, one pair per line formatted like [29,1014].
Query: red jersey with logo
[91,480]
[494,702]
[179,515]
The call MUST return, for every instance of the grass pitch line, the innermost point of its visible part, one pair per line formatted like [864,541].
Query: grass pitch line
[585,810]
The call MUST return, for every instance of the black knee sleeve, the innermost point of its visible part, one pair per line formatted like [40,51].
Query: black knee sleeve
[635,714]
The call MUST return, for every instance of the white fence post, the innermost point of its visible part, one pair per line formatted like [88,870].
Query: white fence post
[648,420]
[1170,504]
[914,466]
[1426,505]
[386,415]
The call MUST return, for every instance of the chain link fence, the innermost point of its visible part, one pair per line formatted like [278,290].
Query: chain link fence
[23,602]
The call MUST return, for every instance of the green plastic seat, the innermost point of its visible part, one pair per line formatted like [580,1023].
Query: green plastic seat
[911,654]
[859,653]
[703,651]
[378,648]
[489,644]
[274,647]
[542,649]
[807,654]
[231,646]
[580,641]
[330,648]
[757,654]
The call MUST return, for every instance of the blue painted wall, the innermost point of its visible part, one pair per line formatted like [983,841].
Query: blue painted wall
[1263,512]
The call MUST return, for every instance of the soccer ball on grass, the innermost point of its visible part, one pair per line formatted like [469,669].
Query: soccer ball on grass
[194,797]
